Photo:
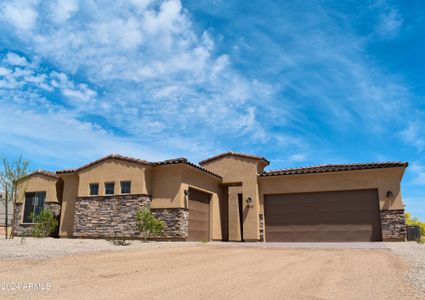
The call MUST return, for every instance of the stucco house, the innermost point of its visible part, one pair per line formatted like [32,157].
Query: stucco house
[227,197]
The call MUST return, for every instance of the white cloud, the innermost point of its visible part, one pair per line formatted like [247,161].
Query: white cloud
[20,13]
[15,59]
[17,73]
[62,10]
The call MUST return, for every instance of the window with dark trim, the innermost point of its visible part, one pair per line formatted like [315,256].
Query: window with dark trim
[94,189]
[125,187]
[109,188]
[34,203]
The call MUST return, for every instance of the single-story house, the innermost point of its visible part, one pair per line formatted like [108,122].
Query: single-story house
[227,197]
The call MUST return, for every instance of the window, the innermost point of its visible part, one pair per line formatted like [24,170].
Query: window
[109,188]
[34,203]
[125,187]
[94,189]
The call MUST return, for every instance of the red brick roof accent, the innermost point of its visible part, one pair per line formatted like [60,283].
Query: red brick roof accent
[334,168]
[231,153]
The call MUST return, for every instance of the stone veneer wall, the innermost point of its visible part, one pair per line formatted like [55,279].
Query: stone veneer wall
[261,216]
[393,225]
[109,216]
[176,222]
[21,229]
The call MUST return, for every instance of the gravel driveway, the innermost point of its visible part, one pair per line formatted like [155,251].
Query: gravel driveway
[414,254]
[96,269]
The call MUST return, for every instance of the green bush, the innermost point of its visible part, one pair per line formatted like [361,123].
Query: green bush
[45,224]
[148,224]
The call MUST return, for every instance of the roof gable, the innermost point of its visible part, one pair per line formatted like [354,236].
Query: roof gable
[236,154]
[40,172]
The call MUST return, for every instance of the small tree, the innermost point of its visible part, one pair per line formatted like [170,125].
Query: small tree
[12,171]
[148,224]
[45,224]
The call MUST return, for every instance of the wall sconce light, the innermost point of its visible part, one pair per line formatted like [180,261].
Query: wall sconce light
[249,202]
[187,193]
[389,194]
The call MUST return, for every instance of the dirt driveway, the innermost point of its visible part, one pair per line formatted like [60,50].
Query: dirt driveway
[211,272]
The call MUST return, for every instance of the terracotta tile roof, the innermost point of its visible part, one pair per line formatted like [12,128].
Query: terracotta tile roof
[184,161]
[66,171]
[334,168]
[40,172]
[143,162]
[231,153]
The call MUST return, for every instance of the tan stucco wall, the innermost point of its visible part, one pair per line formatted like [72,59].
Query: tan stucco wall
[38,183]
[113,170]
[194,178]
[384,180]
[235,169]
[233,213]
[70,192]
[166,186]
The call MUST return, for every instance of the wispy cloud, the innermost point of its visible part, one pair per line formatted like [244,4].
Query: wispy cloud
[147,71]
[389,21]
[413,135]
[418,173]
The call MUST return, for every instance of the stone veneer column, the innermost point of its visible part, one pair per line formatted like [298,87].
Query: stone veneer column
[21,229]
[393,225]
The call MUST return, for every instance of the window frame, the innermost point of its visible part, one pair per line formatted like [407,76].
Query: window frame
[113,188]
[129,187]
[34,207]
[98,186]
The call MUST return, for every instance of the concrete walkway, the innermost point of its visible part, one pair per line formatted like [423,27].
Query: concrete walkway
[315,245]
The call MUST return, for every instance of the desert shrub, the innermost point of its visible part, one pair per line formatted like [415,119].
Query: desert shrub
[148,224]
[45,224]
[120,242]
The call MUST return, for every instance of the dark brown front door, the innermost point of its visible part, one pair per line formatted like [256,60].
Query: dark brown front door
[323,217]
[199,216]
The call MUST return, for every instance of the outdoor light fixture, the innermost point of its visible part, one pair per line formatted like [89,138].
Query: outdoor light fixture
[249,202]
[389,194]
[187,193]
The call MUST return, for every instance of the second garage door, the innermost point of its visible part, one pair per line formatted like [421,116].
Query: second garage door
[199,216]
[323,217]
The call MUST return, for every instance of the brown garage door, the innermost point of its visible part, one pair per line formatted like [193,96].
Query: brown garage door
[199,216]
[323,217]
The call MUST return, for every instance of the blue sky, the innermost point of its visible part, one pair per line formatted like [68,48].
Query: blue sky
[299,82]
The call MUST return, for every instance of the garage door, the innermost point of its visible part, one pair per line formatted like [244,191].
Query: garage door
[323,217]
[199,216]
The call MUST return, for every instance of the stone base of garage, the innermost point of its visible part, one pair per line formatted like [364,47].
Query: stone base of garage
[176,222]
[22,229]
[115,217]
[393,225]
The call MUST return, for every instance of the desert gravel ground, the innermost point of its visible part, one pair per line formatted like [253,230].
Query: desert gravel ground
[203,271]
[414,254]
